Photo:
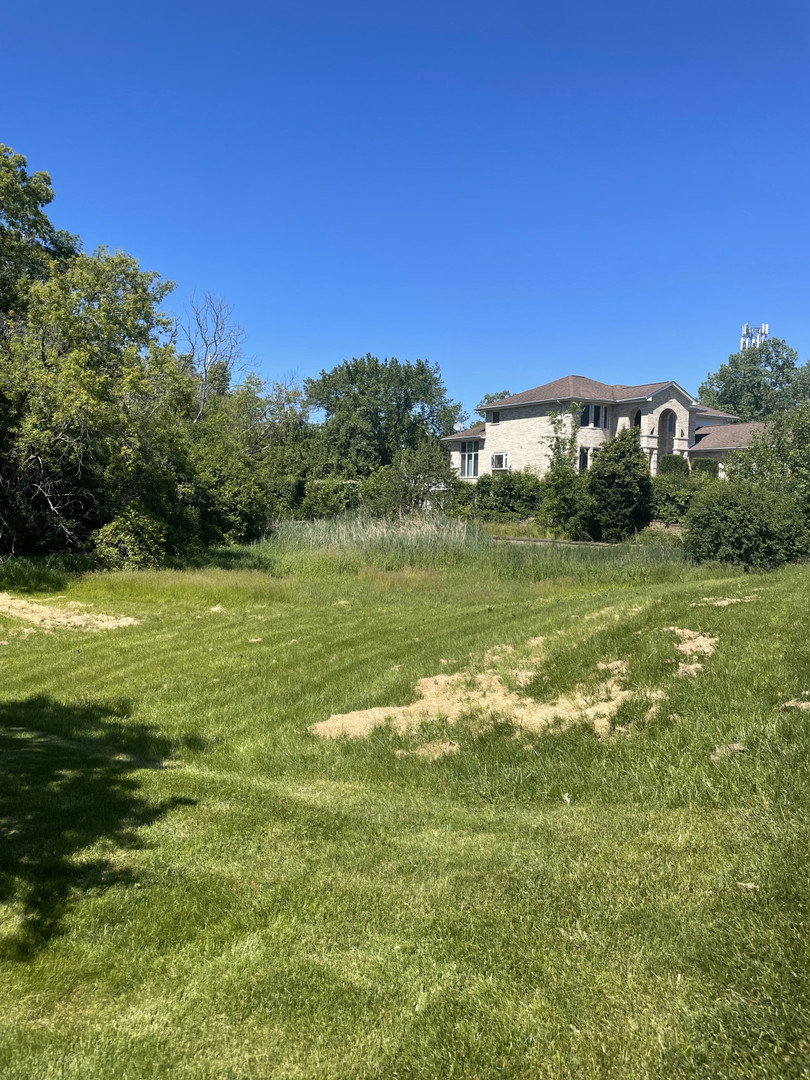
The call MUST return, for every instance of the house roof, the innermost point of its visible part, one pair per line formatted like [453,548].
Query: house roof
[579,388]
[704,410]
[477,431]
[725,436]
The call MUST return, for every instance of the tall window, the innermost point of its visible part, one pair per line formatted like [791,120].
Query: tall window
[605,416]
[469,459]
[583,458]
[585,417]
[671,423]
[637,419]
[597,416]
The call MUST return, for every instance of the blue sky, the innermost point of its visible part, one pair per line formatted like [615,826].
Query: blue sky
[513,191]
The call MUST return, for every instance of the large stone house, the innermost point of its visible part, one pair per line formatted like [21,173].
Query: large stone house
[518,430]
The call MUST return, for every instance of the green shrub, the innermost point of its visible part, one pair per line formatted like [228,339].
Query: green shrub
[745,524]
[134,538]
[704,466]
[671,498]
[620,485]
[673,465]
[329,497]
[567,506]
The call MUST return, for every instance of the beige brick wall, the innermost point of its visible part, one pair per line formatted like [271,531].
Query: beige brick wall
[525,433]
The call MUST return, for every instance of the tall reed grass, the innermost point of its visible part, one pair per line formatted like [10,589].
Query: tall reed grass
[433,542]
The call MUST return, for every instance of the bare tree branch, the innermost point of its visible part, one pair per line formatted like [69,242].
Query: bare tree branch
[213,345]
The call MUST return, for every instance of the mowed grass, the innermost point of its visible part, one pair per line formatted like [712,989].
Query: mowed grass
[193,885]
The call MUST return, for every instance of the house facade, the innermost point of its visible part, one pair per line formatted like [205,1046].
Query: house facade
[517,432]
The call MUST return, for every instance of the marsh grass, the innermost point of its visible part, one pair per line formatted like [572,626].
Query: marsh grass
[192,885]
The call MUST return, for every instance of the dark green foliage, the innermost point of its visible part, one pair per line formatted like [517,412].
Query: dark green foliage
[758,382]
[745,524]
[779,457]
[329,497]
[132,539]
[671,498]
[673,465]
[620,485]
[704,466]
[567,505]
[508,495]
[376,409]
[30,247]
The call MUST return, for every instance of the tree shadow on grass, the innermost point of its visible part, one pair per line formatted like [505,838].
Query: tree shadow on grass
[68,781]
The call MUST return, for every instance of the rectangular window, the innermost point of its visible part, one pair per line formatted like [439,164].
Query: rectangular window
[499,461]
[605,417]
[583,458]
[597,416]
[469,459]
[496,417]
[671,423]
[585,418]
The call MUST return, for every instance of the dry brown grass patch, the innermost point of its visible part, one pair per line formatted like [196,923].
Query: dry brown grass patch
[49,618]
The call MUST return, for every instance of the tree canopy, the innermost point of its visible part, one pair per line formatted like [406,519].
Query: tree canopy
[30,245]
[758,382]
[376,409]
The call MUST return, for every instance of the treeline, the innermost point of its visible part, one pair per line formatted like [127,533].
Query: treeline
[132,435]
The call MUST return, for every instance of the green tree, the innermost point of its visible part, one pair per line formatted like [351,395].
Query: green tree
[620,485]
[487,399]
[566,503]
[376,409]
[88,383]
[30,246]
[778,458]
[758,382]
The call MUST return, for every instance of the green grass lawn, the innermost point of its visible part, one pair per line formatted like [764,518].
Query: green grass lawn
[194,885]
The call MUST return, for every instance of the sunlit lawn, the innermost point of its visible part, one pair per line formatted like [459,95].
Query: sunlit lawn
[193,885]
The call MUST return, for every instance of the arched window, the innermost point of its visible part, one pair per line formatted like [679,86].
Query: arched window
[637,419]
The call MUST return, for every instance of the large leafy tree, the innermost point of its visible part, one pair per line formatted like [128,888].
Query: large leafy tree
[376,409]
[758,382]
[90,387]
[30,245]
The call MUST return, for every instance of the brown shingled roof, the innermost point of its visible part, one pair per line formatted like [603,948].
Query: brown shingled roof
[726,436]
[578,388]
[704,410]
[477,431]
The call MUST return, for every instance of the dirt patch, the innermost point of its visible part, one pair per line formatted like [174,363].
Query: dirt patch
[693,643]
[685,670]
[49,618]
[797,703]
[431,751]
[454,696]
[616,666]
[497,652]
[723,601]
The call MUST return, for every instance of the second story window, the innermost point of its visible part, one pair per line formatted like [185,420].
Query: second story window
[496,417]
[597,416]
[585,417]
[499,461]
[605,416]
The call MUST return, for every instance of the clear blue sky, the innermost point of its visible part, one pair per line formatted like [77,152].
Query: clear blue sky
[514,191]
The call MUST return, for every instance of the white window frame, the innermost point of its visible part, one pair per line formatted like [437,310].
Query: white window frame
[468,465]
[499,468]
